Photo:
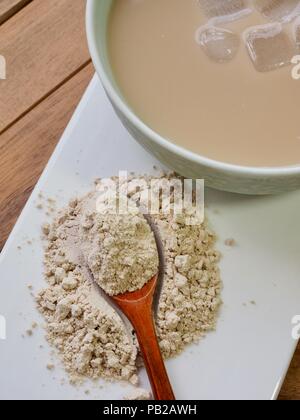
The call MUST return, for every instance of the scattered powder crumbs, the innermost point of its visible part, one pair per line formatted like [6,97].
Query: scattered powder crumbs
[252,302]
[39,206]
[46,229]
[230,242]
[91,338]
[50,366]
[139,394]
[134,380]
[34,325]
[51,205]
[29,333]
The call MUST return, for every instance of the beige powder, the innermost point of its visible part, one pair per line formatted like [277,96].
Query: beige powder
[120,251]
[92,339]
[139,394]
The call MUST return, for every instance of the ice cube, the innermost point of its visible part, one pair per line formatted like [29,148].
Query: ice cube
[269,47]
[220,45]
[222,10]
[282,11]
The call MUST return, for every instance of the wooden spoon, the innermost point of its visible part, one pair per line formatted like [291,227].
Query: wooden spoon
[138,308]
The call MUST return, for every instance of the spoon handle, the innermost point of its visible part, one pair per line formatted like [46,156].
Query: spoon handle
[142,321]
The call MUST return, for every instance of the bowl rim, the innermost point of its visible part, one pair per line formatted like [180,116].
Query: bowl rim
[229,168]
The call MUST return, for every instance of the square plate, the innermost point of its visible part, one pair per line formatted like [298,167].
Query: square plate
[248,355]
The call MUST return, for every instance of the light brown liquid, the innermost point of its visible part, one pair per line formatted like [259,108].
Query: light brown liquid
[228,112]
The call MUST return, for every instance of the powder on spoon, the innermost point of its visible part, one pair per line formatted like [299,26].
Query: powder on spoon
[120,251]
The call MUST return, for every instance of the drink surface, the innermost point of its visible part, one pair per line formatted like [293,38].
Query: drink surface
[223,90]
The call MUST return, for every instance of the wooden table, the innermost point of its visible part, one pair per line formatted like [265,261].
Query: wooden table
[48,69]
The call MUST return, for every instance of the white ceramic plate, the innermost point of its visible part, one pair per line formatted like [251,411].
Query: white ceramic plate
[249,354]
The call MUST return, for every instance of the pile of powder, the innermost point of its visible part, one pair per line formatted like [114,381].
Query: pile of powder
[91,337]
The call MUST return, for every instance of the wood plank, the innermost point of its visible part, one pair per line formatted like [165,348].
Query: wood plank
[44,44]
[291,386]
[9,7]
[26,147]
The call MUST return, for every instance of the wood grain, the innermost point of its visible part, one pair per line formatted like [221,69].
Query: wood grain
[26,147]
[44,44]
[9,7]
[291,386]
